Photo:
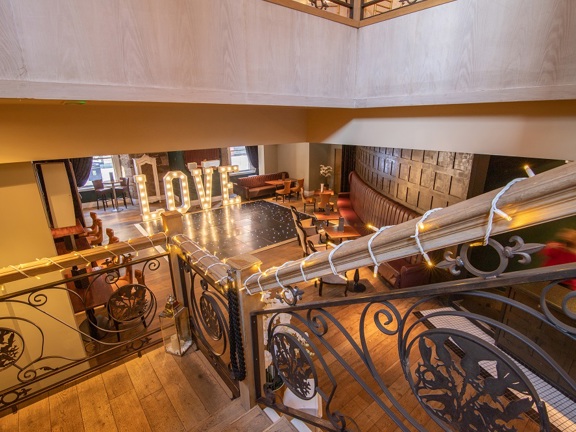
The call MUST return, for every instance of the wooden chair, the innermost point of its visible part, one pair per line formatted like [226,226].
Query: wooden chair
[304,238]
[97,237]
[111,237]
[325,200]
[331,279]
[309,224]
[285,191]
[88,231]
[102,193]
[298,188]
[129,305]
[139,277]
[310,201]
[124,189]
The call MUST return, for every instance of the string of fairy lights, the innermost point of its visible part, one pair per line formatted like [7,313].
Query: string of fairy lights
[214,261]
[110,249]
[419,228]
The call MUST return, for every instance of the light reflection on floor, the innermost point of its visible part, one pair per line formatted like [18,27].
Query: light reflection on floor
[234,230]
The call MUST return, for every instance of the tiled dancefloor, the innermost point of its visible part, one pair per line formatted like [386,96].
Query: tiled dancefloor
[238,229]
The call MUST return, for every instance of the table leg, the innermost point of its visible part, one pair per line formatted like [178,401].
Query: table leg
[358,287]
[94,322]
[115,198]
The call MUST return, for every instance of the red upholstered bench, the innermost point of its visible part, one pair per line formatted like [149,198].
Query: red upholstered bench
[255,186]
[364,205]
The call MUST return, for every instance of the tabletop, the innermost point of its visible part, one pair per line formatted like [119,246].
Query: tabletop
[67,231]
[324,192]
[348,232]
[325,216]
[278,182]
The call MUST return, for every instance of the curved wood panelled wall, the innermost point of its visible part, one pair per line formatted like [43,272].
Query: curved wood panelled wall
[421,180]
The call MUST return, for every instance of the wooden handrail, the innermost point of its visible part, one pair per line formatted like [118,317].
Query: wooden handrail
[535,200]
[47,265]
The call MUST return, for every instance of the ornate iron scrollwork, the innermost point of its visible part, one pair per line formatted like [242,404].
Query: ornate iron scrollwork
[505,253]
[456,392]
[11,347]
[210,317]
[294,364]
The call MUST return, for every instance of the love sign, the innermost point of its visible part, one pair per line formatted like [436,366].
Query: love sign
[203,190]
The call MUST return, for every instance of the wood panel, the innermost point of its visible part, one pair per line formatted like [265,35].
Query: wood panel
[469,51]
[256,52]
[207,51]
[421,180]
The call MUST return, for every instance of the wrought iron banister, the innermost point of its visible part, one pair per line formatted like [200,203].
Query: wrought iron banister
[542,198]
[459,379]
[51,333]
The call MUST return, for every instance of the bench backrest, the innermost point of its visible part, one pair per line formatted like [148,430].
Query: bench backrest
[376,209]
[260,180]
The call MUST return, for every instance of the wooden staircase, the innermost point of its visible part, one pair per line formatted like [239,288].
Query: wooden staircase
[233,418]
[152,393]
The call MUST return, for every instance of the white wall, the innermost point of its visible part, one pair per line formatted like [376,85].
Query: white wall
[293,158]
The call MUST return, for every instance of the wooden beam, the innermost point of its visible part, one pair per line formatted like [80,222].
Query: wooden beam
[535,200]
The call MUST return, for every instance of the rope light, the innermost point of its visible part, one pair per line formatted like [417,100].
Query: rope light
[78,254]
[494,209]
[332,253]
[419,226]
[151,242]
[303,263]
[276,273]
[21,272]
[131,247]
[215,264]
[378,232]
[259,272]
[51,261]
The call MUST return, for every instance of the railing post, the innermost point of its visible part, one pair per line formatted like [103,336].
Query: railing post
[173,225]
[247,304]
[356,10]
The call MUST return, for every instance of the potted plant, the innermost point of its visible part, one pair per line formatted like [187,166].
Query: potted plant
[326,171]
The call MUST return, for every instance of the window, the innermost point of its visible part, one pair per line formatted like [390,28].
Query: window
[102,166]
[238,157]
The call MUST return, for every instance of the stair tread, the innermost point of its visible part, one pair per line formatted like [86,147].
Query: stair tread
[254,420]
[282,425]
[223,417]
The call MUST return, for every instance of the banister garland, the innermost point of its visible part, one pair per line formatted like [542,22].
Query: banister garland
[41,266]
[542,198]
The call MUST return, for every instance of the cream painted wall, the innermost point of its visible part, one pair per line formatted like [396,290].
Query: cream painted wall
[54,131]
[532,129]
[24,231]
[320,154]
[25,236]
[294,158]
[268,159]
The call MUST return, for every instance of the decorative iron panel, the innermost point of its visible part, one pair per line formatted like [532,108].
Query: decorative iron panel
[455,369]
[36,328]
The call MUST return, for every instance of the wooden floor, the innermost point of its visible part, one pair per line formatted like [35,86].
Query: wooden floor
[160,392]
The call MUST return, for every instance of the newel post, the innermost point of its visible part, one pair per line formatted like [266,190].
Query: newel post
[173,225]
[247,304]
